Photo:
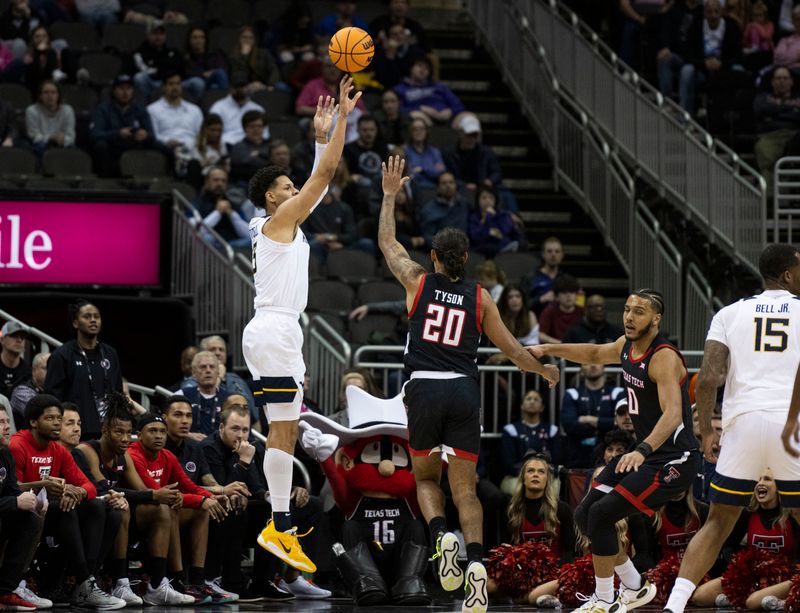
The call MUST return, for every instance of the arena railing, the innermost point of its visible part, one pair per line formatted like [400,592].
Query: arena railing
[699,307]
[328,355]
[786,199]
[701,176]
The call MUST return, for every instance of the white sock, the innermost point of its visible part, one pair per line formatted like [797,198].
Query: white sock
[278,468]
[628,574]
[680,595]
[604,588]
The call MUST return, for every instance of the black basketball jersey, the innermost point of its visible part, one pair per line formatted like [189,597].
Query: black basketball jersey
[114,473]
[643,403]
[444,326]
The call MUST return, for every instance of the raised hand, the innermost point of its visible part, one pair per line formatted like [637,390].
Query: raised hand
[346,103]
[323,118]
[393,178]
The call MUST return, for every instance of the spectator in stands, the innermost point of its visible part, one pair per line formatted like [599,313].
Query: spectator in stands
[119,124]
[155,62]
[48,121]
[219,213]
[233,107]
[714,50]
[42,61]
[424,162]
[392,123]
[13,367]
[491,231]
[255,63]
[759,34]
[332,227]
[673,44]
[187,355]
[327,85]
[98,12]
[615,443]
[635,16]
[778,121]
[9,135]
[448,209]
[344,17]
[28,388]
[541,288]
[587,413]
[787,51]
[516,316]
[77,519]
[359,377]
[408,231]
[530,433]
[133,407]
[252,152]
[302,154]
[176,122]
[563,313]
[232,382]
[492,279]
[84,370]
[70,434]
[281,156]
[365,155]
[16,24]
[418,92]
[206,396]
[398,15]
[210,151]
[394,54]
[204,69]
[151,13]
[594,327]
[291,39]
[622,418]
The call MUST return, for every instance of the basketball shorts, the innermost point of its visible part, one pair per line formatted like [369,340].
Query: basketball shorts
[750,445]
[272,344]
[654,484]
[444,415]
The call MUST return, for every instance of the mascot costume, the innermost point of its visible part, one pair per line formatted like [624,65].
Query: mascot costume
[369,468]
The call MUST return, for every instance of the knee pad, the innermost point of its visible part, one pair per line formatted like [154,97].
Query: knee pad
[602,531]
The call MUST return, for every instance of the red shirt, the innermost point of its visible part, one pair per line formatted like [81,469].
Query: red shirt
[166,469]
[34,462]
[555,322]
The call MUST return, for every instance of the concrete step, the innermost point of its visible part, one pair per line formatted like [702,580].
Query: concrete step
[467,86]
[454,55]
[546,217]
[535,184]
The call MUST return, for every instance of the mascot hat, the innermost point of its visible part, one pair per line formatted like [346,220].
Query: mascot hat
[367,415]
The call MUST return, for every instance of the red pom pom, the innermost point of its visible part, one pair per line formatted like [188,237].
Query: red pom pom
[663,577]
[517,569]
[793,599]
[753,569]
[575,578]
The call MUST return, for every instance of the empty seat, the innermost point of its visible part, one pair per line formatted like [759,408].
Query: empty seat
[277,104]
[83,100]
[124,37]
[335,320]
[372,329]
[70,163]
[516,265]
[143,164]
[229,12]
[102,67]
[16,96]
[380,291]
[79,35]
[15,162]
[351,266]
[331,296]
[224,38]
[287,131]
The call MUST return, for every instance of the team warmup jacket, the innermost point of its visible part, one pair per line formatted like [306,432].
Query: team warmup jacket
[164,470]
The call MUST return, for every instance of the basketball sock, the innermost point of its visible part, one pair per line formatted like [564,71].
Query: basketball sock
[679,596]
[118,568]
[196,575]
[437,526]
[627,573]
[474,552]
[158,568]
[604,588]
[278,468]
[178,575]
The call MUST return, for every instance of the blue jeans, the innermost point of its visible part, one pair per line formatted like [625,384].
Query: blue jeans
[666,72]
[689,79]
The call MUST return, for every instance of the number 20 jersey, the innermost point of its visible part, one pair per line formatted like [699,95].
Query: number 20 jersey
[444,326]
[762,334]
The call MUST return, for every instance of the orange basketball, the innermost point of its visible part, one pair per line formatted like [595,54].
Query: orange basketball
[351,49]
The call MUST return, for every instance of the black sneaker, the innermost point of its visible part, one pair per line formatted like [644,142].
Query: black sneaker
[195,591]
[59,596]
[273,593]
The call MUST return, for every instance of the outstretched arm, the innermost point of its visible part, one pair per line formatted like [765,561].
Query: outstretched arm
[712,375]
[583,353]
[323,120]
[405,270]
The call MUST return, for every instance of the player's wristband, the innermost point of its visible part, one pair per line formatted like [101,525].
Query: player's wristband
[644,448]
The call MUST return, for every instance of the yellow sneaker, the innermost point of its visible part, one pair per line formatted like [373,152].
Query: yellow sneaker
[286,546]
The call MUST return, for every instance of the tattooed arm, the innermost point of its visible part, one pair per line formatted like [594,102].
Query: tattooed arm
[405,270]
[712,376]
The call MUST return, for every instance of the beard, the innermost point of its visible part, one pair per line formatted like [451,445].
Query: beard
[641,334]
[365,477]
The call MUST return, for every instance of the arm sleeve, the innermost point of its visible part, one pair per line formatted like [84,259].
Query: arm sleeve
[452,101]
[18,455]
[566,532]
[154,121]
[33,125]
[101,128]
[56,378]
[69,126]
[240,225]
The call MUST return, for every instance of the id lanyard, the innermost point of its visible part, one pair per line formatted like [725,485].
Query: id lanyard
[105,364]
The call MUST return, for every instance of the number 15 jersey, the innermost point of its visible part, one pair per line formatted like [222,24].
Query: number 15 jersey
[444,326]
[761,334]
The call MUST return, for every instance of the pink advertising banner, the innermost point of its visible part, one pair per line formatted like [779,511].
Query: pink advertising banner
[79,243]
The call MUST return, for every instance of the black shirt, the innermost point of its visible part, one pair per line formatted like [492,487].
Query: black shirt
[9,488]
[226,468]
[444,326]
[363,161]
[190,457]
[11,377]
[113,474]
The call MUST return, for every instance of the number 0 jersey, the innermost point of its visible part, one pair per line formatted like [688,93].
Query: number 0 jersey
[762,334]
[644,406]
[444,326]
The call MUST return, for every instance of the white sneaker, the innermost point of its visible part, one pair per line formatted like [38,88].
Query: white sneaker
[220,596]
[633,599]
[476,598]
[722,602]
[89,596]
[304,590]
[165,594]
[24,592]
[123,590]
[548,601]
[592,604]
[772,603]
[450,574]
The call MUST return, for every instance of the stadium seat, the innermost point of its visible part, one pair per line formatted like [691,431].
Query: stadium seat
[269,11]
[314,268]
[287,131]
[83,100]
[228,12]
[67,163]
[380,291]
[364,331]
[16,96]
[335,320]
[124,37]
[277,105]
[210,96]
[44,184]
[330,296]
[102,67]
[516,265]
[351,266]
[142,164]
[475,259]
[16,163]
[79,35]
[177,34]
[223,38]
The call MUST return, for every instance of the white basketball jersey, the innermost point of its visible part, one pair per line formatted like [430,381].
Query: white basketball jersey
[762,334]
[280,270]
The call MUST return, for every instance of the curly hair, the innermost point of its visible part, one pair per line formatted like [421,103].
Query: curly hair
[451,247]
[261,182]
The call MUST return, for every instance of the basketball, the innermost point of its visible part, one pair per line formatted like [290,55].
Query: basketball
[351,49]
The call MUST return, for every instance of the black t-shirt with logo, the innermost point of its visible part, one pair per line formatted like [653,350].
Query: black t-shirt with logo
[363,161]
[11,377]
[191,458]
